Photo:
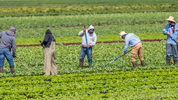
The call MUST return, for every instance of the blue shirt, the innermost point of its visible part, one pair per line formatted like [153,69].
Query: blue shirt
[130,40]
[173,34]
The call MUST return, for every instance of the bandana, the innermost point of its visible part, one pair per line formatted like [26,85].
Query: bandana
[173,27]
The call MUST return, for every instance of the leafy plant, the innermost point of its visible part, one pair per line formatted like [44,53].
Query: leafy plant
[136,84]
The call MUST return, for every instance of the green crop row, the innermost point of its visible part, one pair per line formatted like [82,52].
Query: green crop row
[80,10]
[18,3]
[145,84]
[100,38]
[74,20]
[67,59]
[35,27]
[105,30]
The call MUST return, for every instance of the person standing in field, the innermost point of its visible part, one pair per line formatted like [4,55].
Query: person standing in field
[133,41]
[7,42]
[49,54]
[91,37]
[171,30]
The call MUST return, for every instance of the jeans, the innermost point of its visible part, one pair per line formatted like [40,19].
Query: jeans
[6,53]
[83,52]
[171,50]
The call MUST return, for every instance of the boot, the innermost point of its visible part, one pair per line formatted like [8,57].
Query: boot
[12,69]
[1,69]
[81,64]
[143,63]
[175,62]
[134,64]
[167,62]
[90,65]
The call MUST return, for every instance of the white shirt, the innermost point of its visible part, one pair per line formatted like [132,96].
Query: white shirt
[90,37]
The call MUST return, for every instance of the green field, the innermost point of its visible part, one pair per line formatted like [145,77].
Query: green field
[67,59]
[82,7]
[66,28]
[140,84]
[79,2]
[74,20]
[65,18]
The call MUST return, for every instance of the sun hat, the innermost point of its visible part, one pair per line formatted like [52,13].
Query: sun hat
[171,19]
[122,33]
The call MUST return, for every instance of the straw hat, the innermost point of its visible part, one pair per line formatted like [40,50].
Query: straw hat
[122,33]
[171,19]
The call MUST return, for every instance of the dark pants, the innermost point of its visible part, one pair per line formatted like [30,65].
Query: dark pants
[171,50]
[84,52]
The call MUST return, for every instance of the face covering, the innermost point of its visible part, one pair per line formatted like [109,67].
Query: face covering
[91,30]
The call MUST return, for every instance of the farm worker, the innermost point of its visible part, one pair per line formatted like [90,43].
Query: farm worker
[91,37]
[7,42]
[133,41]
[49,54]
[171,30]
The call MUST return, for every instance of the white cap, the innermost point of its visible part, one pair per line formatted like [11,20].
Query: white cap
[122,33]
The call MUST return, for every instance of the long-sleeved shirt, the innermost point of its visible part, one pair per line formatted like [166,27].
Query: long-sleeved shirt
[130,40]
[174,34]
[48,38]
[8,41]
[90,37]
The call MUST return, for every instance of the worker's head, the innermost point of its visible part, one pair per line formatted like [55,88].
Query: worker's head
[170,20]
[172,23]
[90,29]
[122,34]
[123,37]
[13,30]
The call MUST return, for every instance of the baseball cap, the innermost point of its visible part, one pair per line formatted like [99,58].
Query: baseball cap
[13,29]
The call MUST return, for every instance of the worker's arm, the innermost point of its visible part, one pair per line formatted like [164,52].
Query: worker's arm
[126,46]
[45,40]
[0,34]
[93,42]
[165,30]
[14,46]
[81,33]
